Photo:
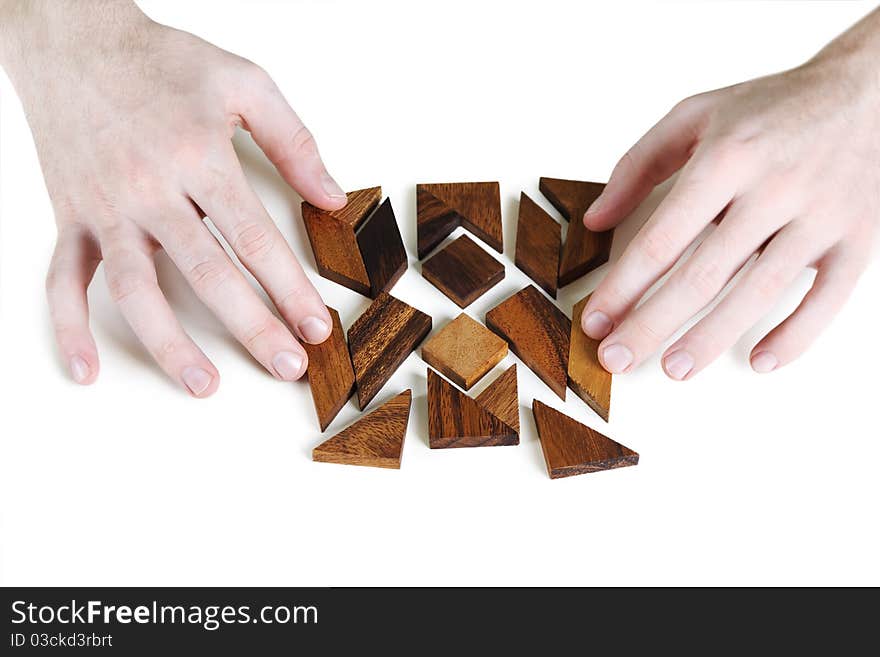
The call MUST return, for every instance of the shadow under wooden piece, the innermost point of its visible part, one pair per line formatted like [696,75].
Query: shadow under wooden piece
[584,249]
[381,339]
[586,376]
[538,244]
[442,207]
[456,420]
[463,271]
[374,440]
[331,376]
[571,448]
[538,332]
[464,351]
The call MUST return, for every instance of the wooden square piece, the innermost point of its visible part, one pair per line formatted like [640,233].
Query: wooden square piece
[463,271]
[464,350]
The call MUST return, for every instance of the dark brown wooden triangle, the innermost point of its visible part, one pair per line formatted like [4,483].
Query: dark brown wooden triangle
[538,244]
[441,207]
[381,248]
[571,448]
[456,420]
[584,249]
[501,398]
[375,440]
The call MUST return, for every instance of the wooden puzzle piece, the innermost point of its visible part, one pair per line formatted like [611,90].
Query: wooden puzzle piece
[538,332]
[381,248]
[571,448]
[584,250]
[538,244]
[464,351]
[501,398]
[463,271]
[441,207]
[331,376]
[381,339]
[586,376]
[375,440]
[456,420]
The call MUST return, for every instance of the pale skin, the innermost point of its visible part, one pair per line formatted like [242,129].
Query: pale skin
[146,114]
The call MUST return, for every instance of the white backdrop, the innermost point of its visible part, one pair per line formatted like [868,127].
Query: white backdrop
[744,479]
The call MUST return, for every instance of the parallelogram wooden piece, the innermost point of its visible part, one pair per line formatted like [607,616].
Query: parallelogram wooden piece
[584,250]
[334,242]
[456,420]
[381,248]
[381,339]
[501,398]
[571,448]
[331,376]
[586,376]
[464,351]
[375,440]
[538,332]
[463,271]
[538,244]
[441,207]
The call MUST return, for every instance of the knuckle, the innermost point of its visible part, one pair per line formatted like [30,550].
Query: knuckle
[645,333]
[125,284]
[768,280]
[657,245]
[292,299]
[303,144]
[208,274]
[703,279]
[252,336]
[253,241]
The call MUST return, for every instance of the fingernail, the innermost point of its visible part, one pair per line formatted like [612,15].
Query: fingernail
[597,325]
[678,364]
[79,369]
[287,365]
[617,358]
[596,205]
[332,188]
[196,379]
[764,362]
[313,330]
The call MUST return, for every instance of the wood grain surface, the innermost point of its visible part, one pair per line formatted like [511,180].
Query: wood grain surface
[456,420]
[334,242]
[381,248]
[571,448]
[331,376]
[501,398]
[538,244]
[374,440]
[381,339]
[463,351]
[538,332]
[584,250]
[463,271]
[441,207]
[586,376]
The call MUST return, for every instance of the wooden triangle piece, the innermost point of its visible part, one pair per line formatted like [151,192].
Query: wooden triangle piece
[441,207]
[571,448]
[381,248]
[501,398]
[330,373]
[381,339]
[375,440]
[456,420]
[586,376]
[538,244]
[584,249]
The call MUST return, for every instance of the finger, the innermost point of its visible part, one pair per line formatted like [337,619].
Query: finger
[662,151]
[707,184]
[131,278]
[287,142]
[222,287]
[837,276]
[696,283]
[751,298]
[73,265]
[237,212]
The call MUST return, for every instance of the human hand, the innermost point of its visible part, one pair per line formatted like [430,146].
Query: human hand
[790,164]
[133,124]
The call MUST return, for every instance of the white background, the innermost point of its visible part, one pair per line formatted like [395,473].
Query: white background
[744,479]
